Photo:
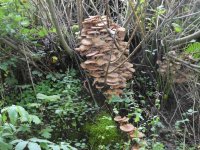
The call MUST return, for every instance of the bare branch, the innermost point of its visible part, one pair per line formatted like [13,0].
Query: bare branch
[186,38]
[58,30]
[80,13]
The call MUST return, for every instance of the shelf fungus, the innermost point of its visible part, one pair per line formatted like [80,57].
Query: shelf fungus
[106,53]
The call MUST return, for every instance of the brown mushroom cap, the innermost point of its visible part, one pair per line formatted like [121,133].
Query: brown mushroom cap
[103,30]
[95,74]
[114,92]
[89,62]
[127,127]
[131,69]
[135,147]
[118,118]
[93,32]
[128,65]
[92,54]
[99,87]
[113,75]
[121,33]
[137,134]
[101,62]
[86,42]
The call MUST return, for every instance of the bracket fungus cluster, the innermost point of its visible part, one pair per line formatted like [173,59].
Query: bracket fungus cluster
[130,130]
[101,42]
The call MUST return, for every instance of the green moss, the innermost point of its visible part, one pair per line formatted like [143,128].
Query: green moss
[103,131]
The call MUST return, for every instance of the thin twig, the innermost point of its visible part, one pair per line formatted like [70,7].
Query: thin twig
[186,38]
[79,13]
[184,62]
[29,69]
[58,30]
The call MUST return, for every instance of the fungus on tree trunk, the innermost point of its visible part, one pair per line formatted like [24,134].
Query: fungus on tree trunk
[105,49]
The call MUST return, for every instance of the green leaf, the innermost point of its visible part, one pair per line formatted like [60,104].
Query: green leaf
[25,23]
[39,140]
[193,49]
[24,116]
[177,27]
[59,111]
[16,141]
[1,120]
[75,28]
[36,105]
[18,18]
[21,145]
[3,67]
[48,98]
[66,146]
[43,32]
[35,119]
[53,30]
[4,146]
[24,128]
[46,133]
[33,146]
[13,114]
[55,147]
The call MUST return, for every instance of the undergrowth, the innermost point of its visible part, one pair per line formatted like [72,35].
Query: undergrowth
[59,103]
[102,132]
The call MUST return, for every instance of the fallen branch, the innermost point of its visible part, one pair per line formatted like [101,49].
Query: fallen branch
[185,63]
[13,45]
[186,38]
[5,41]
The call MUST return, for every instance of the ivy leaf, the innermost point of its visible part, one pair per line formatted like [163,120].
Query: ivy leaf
[21,145]
[33,146]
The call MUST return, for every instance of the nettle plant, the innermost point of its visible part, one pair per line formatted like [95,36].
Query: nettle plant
[14,121]
[16,125]
[59,100]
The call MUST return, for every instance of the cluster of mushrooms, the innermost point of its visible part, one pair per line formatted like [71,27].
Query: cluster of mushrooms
[130,130]
[101,43]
